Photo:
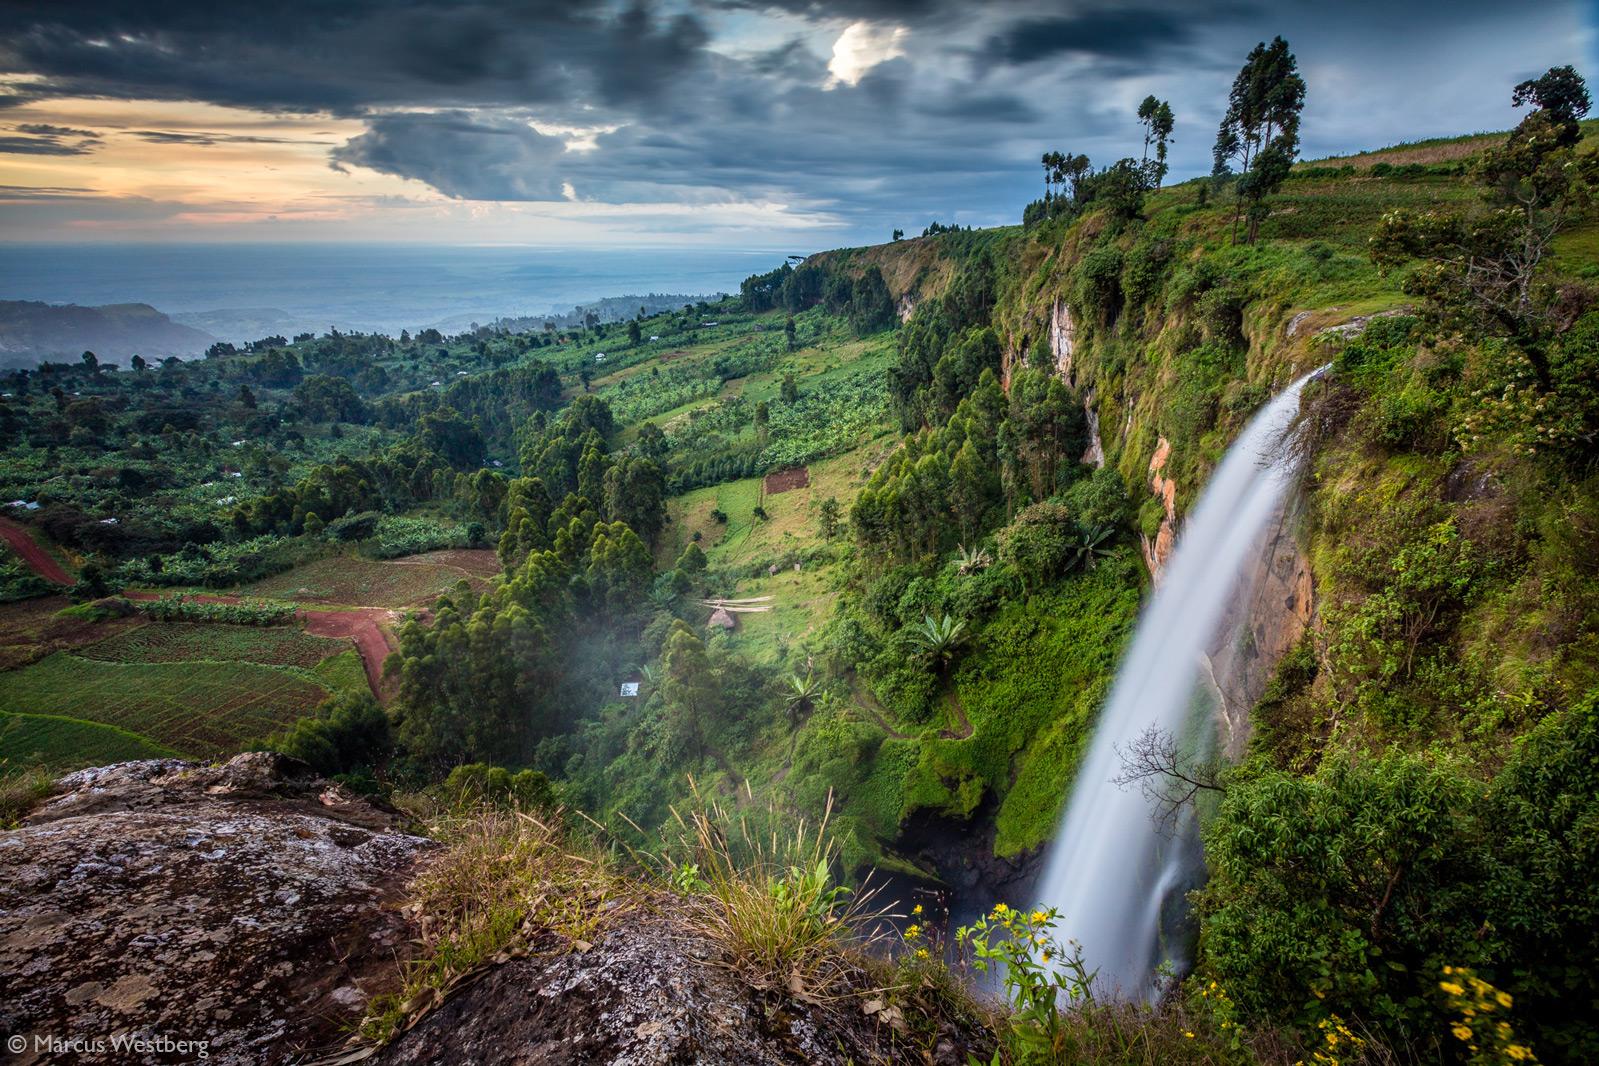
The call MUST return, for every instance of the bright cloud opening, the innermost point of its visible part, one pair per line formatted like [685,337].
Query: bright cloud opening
[861,47]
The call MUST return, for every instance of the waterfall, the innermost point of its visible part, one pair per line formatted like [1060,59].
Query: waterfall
[1113,872]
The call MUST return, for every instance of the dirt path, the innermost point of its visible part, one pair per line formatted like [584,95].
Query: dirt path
[364,626]
[41,561]
[963,727]
[866,703]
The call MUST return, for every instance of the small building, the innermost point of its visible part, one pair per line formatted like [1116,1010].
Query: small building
[654,338]
[630,689]
[722,619]
[599,357]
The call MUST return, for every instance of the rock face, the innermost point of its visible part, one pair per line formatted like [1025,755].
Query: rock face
[1062,339]
[1258,629]
[1157,551]
[646,993]
[247,906]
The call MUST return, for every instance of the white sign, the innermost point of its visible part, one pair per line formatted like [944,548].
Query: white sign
[630,688]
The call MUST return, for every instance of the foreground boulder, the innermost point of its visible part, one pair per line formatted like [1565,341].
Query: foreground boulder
[250,907]
[648,993]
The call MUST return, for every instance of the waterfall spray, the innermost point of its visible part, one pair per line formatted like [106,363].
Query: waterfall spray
[1112,871]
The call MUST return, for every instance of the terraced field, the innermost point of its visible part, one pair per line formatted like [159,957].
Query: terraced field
[183,642]
[350,580]
[67,743]
[198,708]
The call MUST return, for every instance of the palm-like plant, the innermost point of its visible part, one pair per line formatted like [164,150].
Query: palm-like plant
[939,638]
[800,697]
[971,560]
[1093,544]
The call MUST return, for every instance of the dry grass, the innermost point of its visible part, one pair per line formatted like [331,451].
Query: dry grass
[503,879]
[768,897]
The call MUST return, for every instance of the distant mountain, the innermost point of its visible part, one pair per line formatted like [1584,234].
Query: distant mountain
[31,332]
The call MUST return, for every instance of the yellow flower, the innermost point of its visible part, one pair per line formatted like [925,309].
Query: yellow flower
[1462,1032]
[921,953]
[1040,917]
[1504,999]
[1189,1033]
[1519,1053]
[1452,988]
[912,932]
[916,909]
[1001,909]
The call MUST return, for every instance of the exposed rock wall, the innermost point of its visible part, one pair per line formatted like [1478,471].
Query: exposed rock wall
[1062,340]
[247,906]
[1157,551]
[1258,629]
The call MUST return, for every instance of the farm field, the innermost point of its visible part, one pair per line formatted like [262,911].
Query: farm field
[58,743]
[792,517]
[196,708]
[351,580]
[185,642]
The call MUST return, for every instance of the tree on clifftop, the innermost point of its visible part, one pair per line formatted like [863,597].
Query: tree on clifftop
[1261,129]
[1158,123]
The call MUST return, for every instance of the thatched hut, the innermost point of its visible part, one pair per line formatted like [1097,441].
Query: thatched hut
[722,618]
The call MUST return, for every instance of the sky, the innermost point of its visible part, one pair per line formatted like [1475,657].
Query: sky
[732,123]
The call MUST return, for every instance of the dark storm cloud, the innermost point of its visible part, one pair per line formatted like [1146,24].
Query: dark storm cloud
[345,57]
[463,157]
[1129,33]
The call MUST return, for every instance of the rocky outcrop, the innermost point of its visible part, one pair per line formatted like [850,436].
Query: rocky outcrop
[1158,550]
[642,994]
[247,907]
[1265,619]
[1062,339]
[907,308]
[1094,454]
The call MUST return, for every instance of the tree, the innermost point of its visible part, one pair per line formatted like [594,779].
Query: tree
[1562,95]
[939,639]
[91,362]
[871,308]
[137,362]
[800,696]
[899,235]
[829,517]
[634,333]
[1261,129]
[1156,115]
[789,334]
[689,689]
[1482,268]
[789,390]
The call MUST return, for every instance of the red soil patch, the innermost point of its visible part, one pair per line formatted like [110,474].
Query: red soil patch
[361,625]
[39,560]
[796,477]
[365,628]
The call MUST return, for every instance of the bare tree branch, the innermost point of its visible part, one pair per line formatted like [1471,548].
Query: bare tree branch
[1169,779]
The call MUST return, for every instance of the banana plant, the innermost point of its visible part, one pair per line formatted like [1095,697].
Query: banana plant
[939,638]
[1093,544]
[800,698]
